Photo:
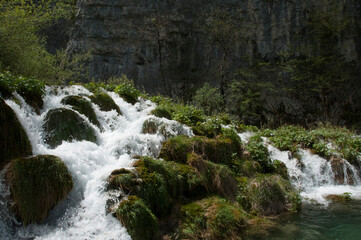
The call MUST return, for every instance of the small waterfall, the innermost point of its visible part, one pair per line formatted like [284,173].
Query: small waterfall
[314,176]
[83,214]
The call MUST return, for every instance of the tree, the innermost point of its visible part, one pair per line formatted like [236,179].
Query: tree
[222,24]
[22,47]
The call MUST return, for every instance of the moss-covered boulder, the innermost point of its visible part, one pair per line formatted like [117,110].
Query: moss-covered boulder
[105,102]
[37,184]
[211,218]
[137,218]
[66,125]
[221,149]
[341,198]
[158,183]
[218,178]
[162,112]
[13,140]
[270,195]
[32,91]
[82,106]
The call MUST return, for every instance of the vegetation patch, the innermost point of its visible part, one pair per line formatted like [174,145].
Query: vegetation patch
[324,140]
[211,218]
[37,184]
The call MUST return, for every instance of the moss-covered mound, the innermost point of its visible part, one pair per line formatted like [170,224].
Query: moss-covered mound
[218,178]
[221,149]
[137,218]
[66,125]
[32,91]
[158,183]
[82,106]
[270,195]
[13,140]
[105,102]
[166,128]
[37,184]
[211,218]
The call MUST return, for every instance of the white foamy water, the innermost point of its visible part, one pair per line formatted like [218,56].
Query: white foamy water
[83,214]
[313,175]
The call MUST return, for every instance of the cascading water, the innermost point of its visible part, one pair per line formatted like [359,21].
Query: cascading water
[83,214]
[313,175]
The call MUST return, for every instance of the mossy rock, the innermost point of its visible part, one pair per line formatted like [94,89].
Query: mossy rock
[13,140]
[66,125]
[211,218]
[162,112]
[217,178]
[342,198]
[221,149]
[160,184]
[271,195]
[82,106]
[138,219]
[105,102]
[37,184]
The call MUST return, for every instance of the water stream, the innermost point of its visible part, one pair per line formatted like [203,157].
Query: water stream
[83,214]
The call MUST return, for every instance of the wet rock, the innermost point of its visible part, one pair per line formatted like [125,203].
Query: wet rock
[339,168]
[37,184]
[164,127]
[105,102]
[345,197]
[66,125]
[82,106]
[13,140]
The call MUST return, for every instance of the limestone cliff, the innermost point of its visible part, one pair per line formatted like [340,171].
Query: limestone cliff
[158,43]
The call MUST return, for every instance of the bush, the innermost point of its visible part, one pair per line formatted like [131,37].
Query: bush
[208,99]
[126,89]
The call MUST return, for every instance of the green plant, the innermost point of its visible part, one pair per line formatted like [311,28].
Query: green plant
[258,151]
[208,99]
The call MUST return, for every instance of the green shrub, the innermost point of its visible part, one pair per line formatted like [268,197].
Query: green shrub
[7,84]
[208,99]
[258,151]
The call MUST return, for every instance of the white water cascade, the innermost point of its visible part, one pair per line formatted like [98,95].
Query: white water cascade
[313,175]
[83,214]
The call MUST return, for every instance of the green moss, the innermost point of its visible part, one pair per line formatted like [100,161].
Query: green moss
[345,197]
[13,140]
[128,92]
[66,125]
[219,150]
[150,126]
[82,106]
[270,195]
[162,112]
[217,178]
[211,218]
[137,218]
[105,102]
[37,184]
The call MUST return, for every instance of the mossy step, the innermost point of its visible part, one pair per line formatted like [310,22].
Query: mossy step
[37,184]
[105,102]
[82,106]
[62,124]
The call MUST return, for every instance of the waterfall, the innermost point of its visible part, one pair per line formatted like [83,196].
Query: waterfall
[82,215]
[315,176]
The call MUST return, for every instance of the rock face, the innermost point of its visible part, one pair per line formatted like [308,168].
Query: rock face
[37,184]
[159,45]
[66,125]
[13,140]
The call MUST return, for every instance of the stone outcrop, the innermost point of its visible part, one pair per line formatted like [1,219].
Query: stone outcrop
[159,45]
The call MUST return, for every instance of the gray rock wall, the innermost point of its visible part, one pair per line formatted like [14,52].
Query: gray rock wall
[125,37]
